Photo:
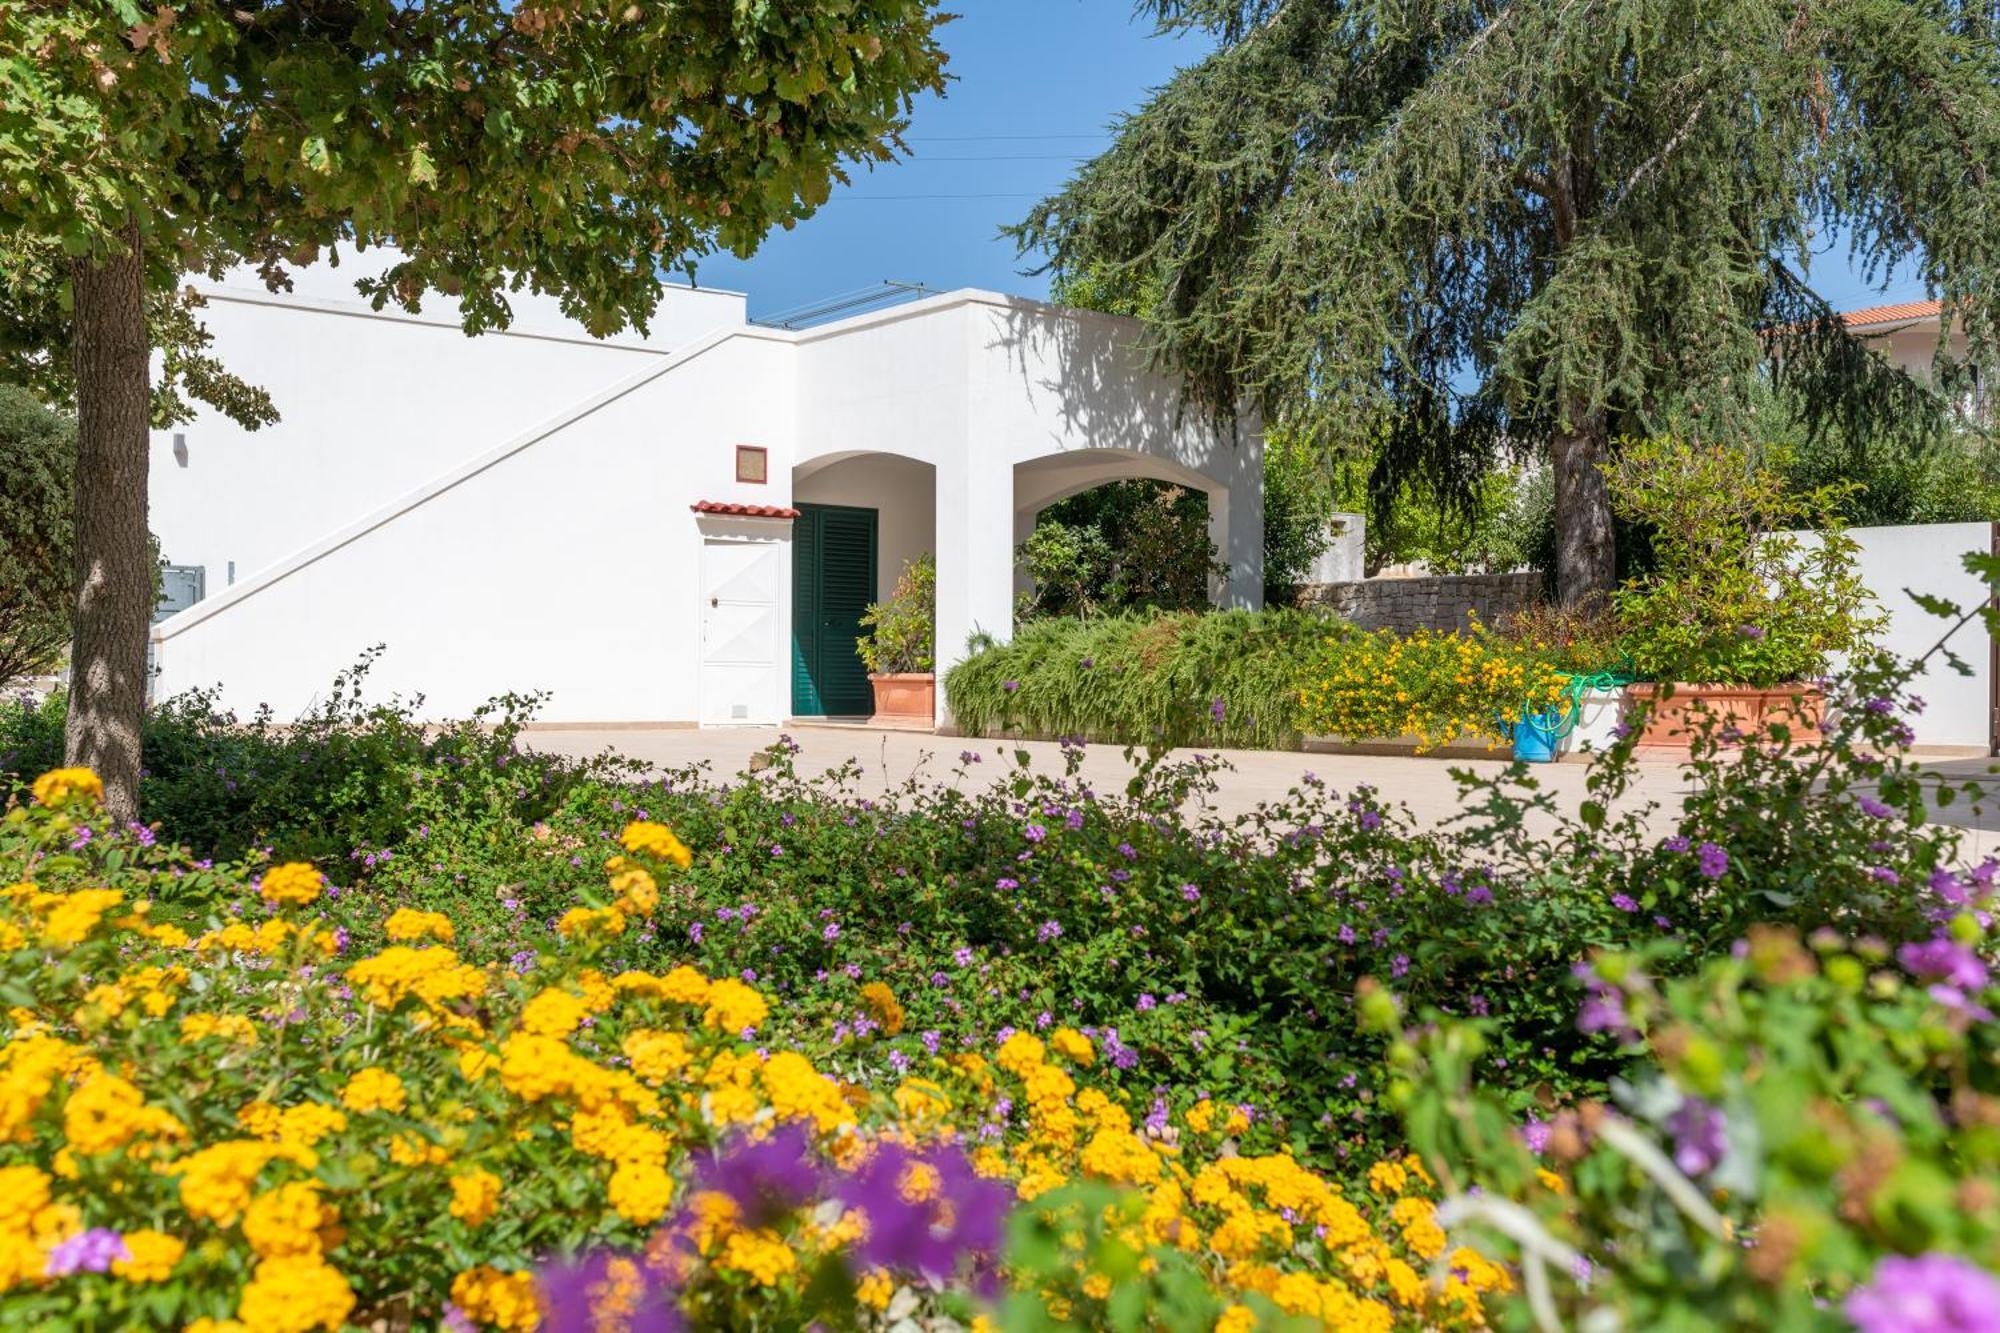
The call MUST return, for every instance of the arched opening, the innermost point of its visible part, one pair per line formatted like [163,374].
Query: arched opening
[1106,530]
[1120,545]
[862,518]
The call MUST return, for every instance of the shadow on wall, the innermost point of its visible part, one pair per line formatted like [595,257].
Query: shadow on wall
[1108,394]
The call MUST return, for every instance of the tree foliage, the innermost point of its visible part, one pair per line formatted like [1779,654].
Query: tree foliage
[559,147]
[35,335]
[39,447]
[1479,227]
[1121,546]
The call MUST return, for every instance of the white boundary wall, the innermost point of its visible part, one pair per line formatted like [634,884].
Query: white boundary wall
[1928,558]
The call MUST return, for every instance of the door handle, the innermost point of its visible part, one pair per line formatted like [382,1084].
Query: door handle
[715,601]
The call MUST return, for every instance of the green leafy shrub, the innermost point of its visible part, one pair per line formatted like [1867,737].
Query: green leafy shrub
[1243,678]
[1298,503]
[1214,678]
[349,779]
[902,631]
[1125,545]
[1583,641]
[1806,1130]
[1069,565]
[1738,597]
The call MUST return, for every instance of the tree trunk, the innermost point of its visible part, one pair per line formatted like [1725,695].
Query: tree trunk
[114,576]
[1586,558]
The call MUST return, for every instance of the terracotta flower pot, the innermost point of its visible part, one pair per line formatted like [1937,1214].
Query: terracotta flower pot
[1749,709]
[904,698]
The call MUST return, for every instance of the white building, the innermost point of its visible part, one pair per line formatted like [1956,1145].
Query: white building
[1907,334]
[676,529]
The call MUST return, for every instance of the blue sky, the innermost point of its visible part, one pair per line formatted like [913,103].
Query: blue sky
[1037,84]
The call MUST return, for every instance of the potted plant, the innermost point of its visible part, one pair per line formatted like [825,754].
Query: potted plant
[899,649]
[1754,592]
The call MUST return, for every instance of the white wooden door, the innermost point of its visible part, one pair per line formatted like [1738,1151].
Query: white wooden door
[739,631]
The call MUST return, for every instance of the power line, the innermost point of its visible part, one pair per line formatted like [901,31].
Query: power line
[987,138]
[871,198]
[1002,157]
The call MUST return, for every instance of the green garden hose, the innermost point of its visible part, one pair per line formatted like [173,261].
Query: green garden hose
[1580,685]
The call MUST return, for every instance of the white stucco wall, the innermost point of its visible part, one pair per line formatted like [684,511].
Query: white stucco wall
[1001,395]
[564,556]
[372,404]
[567,562]
[1926,558]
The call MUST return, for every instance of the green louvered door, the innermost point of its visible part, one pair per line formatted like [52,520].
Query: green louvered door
[833,580]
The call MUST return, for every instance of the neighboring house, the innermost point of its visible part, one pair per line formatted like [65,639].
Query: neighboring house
[1907,333]
[672,529]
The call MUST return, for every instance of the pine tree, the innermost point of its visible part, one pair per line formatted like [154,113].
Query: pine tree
[1465,227]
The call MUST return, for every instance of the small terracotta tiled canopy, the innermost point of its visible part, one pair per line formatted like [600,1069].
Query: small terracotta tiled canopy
[743,511]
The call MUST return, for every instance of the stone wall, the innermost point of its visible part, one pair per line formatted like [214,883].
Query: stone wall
[1437,602]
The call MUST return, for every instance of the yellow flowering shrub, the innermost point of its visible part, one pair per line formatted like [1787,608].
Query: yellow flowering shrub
[230,1127]
[1432,685]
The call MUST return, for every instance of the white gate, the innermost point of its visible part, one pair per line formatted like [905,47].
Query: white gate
[739,629]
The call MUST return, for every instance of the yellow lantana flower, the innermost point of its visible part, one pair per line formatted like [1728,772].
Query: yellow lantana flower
[641,1191]
[62,785]
[374,1090]
[475,1195]
[153,1255]
[647,838]
[295,883]
[406,925]
[496,1299]
[733,1006]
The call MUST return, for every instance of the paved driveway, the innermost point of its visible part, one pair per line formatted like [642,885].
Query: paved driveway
[889,758]
[1425,786]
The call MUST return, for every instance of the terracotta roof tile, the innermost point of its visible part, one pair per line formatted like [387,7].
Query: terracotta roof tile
[1889,314]
[743,510]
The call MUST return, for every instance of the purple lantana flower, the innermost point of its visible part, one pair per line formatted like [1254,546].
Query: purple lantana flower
[1931,1293]
[1701,1136]
[963,1218]
[569,1293]
[1943,959]
[767,1179]
[91,1251]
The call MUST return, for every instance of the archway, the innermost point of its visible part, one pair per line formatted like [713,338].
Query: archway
[861,518]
